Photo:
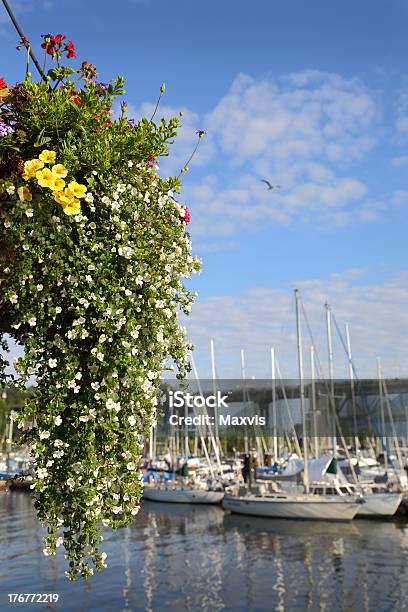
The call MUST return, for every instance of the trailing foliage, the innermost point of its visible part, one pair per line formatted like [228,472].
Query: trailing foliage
[94,248]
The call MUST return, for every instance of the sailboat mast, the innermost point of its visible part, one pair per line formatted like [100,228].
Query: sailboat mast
[274,423]
[353,394]
[332,401]
[313,389]
[302,392]
[214,378]
[382,415]
[244,395]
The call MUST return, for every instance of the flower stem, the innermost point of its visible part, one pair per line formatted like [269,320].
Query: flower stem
[191,156]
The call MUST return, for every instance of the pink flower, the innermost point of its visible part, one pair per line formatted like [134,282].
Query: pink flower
[187,216]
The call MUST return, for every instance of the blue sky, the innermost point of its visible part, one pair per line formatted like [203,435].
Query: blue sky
[312,95]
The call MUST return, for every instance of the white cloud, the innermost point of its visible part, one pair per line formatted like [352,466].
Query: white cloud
[307,131]
[305,116]
[264,317]
[249,205]
[301,131]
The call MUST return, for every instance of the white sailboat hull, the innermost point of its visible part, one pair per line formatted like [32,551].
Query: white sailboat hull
[182,496]
[380,504]
[293,507]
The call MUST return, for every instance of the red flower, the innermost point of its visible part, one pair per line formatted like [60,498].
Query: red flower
[74,97]
[58,39]
[186,219]
[48,44]
[54,44]
[49,47]
[2,84]
[70,49]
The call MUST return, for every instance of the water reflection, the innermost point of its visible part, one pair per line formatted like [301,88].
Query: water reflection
[178,557]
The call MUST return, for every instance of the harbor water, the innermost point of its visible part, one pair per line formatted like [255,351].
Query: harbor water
[183,557]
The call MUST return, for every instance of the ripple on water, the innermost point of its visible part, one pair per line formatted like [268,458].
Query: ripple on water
[199,558]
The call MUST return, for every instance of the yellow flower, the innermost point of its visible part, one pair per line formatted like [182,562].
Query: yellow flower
[24,194]
[59,170]
[31,167]
[69,203]
[45,178]
[48,157]
[73,208]
[78,190]
[59,184]
[62,197]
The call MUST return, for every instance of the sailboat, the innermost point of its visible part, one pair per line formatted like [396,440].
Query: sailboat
[280,504]
[327,478]
[174,492]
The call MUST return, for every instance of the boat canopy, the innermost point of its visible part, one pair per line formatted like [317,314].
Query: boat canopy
[321,469]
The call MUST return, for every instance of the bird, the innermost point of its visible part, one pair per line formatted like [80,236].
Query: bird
[270,186]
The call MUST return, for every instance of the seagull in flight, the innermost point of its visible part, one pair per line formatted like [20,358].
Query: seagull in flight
[270,186]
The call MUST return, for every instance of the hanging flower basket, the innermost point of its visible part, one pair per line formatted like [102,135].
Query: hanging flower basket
[93,249]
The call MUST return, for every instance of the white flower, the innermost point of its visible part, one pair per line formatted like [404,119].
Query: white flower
[71,483]
[58,309]
[135,511]
[116,509]
[10,190]
[100,356]
[95,386]
[126,252]
[58,443]
[78,375]
[130,163]
[84,418]
[13,299]
[58,420]
[131,466]
[111,405]
[47,551]
[42,473]
[59,541]
[32,321]
[52,363]
[89,197]
[29,212]
[132,420]
[103,556]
